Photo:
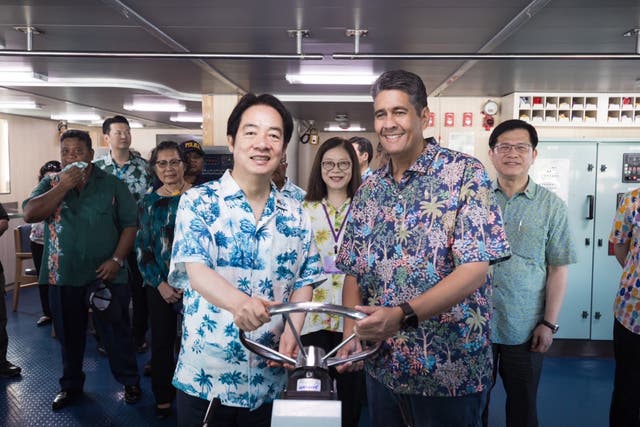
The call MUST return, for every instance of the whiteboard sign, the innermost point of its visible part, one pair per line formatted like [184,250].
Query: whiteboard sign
[553,175]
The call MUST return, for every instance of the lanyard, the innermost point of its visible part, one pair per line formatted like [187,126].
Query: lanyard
[336,233]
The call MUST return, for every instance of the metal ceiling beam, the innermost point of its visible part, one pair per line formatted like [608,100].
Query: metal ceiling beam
[156,32]
[524,16]
[487,56]
[349,56]
[159,55]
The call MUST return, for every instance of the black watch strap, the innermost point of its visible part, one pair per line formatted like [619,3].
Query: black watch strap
[410,319]
[554,328]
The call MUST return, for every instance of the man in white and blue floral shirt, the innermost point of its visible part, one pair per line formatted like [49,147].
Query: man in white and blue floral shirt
[240,246]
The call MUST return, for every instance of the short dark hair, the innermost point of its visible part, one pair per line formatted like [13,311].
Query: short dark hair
[364,146]
[513,124]
[407,82]
[78,134]
[50,166]
[317,189]
[106,125]
[248,101]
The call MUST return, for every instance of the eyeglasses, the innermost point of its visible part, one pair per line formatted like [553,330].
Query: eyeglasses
[506,148]
[174,163]
[343,165]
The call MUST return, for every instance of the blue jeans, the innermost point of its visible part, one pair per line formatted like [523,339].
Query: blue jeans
[388,409]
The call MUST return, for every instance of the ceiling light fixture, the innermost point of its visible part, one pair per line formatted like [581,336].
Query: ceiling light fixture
[323,98]
[160,106]
[20,105]
[76,117]
[21,76]
[334,127]
[187,118]
[332,78]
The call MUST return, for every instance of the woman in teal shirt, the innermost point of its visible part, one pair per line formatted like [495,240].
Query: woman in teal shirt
[153,247]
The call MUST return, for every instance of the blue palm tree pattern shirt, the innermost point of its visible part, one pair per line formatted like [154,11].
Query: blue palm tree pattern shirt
[268,259]
[403,239]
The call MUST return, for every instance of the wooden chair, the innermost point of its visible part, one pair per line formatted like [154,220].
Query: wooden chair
[24,276]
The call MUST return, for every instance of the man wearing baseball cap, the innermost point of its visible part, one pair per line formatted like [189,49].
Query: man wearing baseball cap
[194,154]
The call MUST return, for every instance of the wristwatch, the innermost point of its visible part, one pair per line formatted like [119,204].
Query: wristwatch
[410,318]
[554,327]
[118,261]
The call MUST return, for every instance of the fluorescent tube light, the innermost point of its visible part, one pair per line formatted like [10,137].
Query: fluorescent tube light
[20,105]
[24,76]
[332,79]
[187,118]
[76,117]
[163,106]
[323,98]
[334,128]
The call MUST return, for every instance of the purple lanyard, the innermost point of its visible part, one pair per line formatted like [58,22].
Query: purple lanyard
[336,235]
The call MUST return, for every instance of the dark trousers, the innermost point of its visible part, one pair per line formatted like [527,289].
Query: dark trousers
[388,409]
[625,406]
[164,328]
[70,315]
[191,412]
[4,338]
[139,323]
[36,252]
[350,385]
[520,370]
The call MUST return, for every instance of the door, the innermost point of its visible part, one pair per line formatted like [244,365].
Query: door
[606,270]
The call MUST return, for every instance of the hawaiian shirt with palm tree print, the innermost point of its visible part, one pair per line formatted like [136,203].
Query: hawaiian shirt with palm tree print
[403,239]
[268,259]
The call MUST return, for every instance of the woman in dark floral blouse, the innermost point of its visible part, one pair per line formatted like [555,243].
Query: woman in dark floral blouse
[153,247]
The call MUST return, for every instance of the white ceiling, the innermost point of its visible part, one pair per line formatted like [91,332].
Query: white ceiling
[260,27]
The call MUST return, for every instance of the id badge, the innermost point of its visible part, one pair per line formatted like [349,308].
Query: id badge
[330,265]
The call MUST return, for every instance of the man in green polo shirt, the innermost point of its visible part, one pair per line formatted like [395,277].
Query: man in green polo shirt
[90,218]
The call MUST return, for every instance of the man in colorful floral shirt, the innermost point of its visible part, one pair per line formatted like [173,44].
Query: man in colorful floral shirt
[90,226]
[134,171]
[424,230]
[625,237]
[240,246]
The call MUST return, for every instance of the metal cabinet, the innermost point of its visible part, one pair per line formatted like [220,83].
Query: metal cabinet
[589,177]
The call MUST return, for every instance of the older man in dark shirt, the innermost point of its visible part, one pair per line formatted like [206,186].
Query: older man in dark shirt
[90,216]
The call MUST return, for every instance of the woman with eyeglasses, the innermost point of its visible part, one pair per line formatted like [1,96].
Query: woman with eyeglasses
[154,242]
[334,178]
[36,243]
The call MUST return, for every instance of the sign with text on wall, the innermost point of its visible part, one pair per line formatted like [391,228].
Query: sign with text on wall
[552,175]
[463,142]
[432,119]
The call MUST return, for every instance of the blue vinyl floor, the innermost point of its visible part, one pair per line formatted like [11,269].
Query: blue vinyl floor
[573,391]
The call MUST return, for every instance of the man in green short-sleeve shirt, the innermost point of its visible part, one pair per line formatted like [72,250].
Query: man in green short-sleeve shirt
[90,226]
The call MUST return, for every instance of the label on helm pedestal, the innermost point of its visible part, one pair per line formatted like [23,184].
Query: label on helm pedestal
[308,384]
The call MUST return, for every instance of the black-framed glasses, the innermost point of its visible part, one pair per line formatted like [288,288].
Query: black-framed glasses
[506,148]
[174,163]
[343,165]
